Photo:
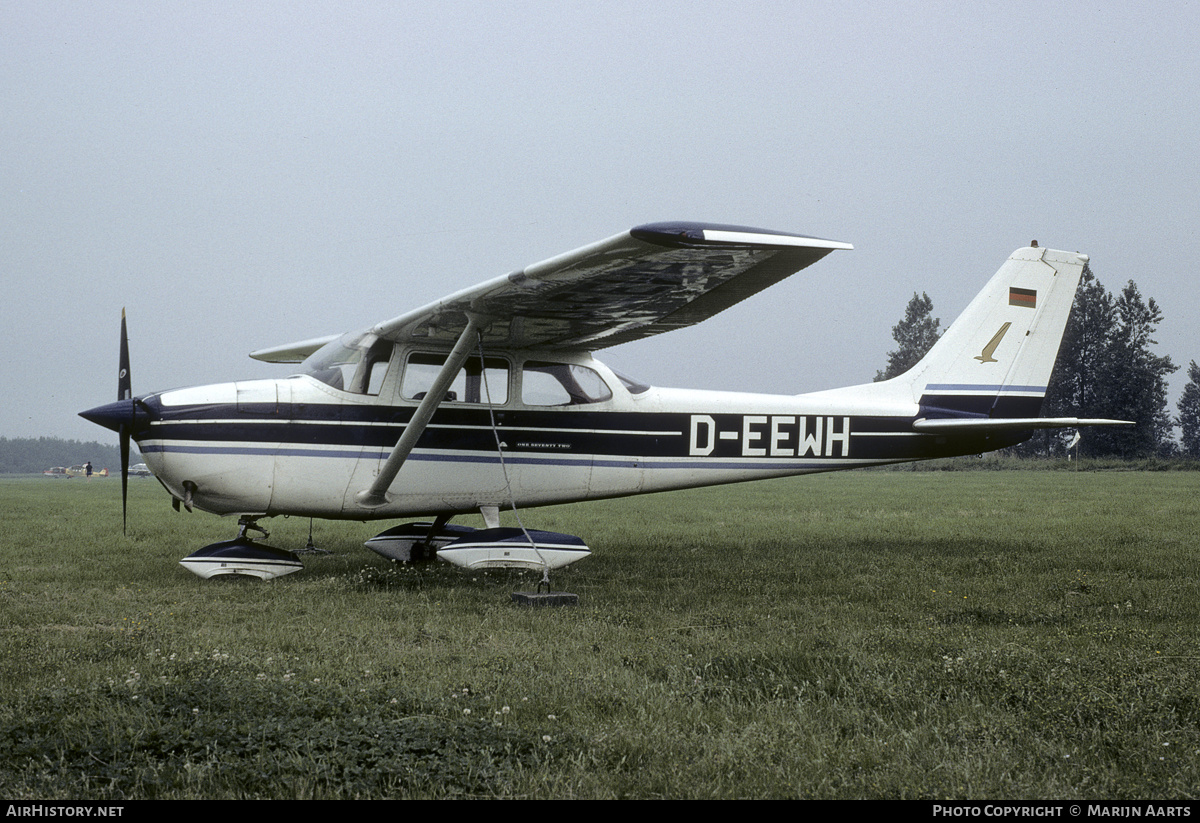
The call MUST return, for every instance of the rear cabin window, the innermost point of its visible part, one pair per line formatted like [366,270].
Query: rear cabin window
[561,384]
[632,384]
[472,384]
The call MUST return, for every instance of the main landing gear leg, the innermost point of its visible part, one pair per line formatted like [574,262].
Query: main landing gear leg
[247,523]
[426,549]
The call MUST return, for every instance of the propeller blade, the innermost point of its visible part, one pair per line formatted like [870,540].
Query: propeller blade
[125,392]
[124,382]
[124,478]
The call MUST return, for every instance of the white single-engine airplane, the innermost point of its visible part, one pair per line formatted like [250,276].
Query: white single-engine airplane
[491,398]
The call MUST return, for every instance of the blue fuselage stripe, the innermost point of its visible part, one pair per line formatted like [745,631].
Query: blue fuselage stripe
[603,439]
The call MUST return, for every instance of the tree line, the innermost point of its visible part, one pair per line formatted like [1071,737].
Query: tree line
[1106,367]
[28,455]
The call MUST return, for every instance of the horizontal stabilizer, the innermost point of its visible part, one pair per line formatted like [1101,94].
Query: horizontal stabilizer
[985,424]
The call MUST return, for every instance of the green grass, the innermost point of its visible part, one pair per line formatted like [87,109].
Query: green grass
[1009,634]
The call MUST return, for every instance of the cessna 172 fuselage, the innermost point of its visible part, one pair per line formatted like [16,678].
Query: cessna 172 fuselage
[491,397]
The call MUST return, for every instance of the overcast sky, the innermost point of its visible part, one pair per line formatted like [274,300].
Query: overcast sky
[246,174]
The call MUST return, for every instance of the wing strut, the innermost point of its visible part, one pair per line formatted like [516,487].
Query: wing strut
[376,495]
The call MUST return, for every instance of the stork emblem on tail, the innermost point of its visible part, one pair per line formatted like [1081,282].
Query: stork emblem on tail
[985,356]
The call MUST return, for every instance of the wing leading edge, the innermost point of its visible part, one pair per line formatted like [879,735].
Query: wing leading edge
[646,281]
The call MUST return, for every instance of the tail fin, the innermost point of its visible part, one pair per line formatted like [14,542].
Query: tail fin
[995,360]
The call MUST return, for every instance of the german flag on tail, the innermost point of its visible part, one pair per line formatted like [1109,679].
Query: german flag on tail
[1022,297]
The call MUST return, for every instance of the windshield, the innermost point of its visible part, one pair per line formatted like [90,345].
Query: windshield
[356,362]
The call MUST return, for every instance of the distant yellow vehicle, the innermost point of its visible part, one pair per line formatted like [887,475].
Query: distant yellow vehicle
[81,471]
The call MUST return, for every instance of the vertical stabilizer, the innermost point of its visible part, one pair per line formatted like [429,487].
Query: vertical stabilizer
[995,359]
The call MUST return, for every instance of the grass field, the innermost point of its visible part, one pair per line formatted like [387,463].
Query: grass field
[861,635]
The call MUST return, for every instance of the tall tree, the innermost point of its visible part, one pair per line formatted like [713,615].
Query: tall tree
[1138,378]
[1189,413]
[1107,368]
[1076,382]
[1076,387]
[914,336]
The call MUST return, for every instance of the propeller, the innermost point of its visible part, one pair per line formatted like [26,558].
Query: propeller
[125,392]
[125,416]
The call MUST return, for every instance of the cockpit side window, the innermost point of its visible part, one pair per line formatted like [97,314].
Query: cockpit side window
[353,363]
[472,384]
[561,384]
[372,368]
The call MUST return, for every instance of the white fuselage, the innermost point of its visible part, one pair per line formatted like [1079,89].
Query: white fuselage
[305,447]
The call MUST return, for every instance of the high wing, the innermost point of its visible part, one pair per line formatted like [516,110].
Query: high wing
[648,280]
